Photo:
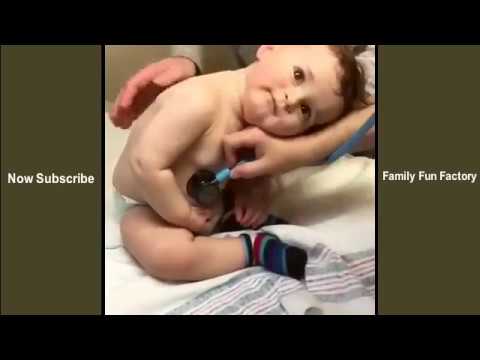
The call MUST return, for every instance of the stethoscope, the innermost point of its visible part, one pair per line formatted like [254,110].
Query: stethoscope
[205,186]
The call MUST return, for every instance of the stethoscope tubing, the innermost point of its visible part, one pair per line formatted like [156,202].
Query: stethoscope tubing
[348,147]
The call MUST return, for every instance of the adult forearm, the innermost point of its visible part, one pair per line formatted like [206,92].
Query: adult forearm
[235,56]
[314,148]
[192,52]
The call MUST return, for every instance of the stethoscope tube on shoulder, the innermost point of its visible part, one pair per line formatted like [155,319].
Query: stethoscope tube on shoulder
[349,146]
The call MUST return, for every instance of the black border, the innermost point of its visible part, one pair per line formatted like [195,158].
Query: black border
[1,185]
[377,154]
[102,176]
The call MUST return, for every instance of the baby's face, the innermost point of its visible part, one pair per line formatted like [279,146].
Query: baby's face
[292,88]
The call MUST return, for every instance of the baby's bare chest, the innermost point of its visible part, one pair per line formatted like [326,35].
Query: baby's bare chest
[207,153]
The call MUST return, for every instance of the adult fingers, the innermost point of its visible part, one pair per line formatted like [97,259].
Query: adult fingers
[236,141]
[251,169]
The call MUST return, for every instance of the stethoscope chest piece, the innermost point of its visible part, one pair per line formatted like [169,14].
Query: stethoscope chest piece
[203,187]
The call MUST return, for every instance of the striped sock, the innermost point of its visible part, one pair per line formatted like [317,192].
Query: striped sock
[274,255]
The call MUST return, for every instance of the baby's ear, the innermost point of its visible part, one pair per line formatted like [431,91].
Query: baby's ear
[264,49]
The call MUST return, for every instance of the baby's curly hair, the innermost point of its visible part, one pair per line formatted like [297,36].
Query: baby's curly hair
[352,79]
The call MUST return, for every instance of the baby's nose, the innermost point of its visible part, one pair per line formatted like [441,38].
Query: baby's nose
[290,103]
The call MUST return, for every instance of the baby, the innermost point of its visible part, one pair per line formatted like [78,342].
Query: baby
[288,91]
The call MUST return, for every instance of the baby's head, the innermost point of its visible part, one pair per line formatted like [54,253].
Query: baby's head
[294,88]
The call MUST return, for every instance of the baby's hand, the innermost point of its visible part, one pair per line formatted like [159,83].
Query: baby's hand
[252,202]
[201,220]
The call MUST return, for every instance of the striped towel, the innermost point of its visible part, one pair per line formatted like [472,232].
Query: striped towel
[340,281]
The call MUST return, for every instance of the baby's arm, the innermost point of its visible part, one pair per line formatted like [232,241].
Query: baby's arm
[178,124]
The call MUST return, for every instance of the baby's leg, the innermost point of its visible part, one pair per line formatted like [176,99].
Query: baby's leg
[175,254]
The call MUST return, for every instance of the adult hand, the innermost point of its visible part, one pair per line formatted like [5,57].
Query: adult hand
[273,155]
[143,88]
[279,155]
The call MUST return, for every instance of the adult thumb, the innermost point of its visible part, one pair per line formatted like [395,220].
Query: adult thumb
[250,170]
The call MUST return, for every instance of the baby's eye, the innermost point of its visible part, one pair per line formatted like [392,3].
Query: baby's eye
[306,111]
[298,74]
